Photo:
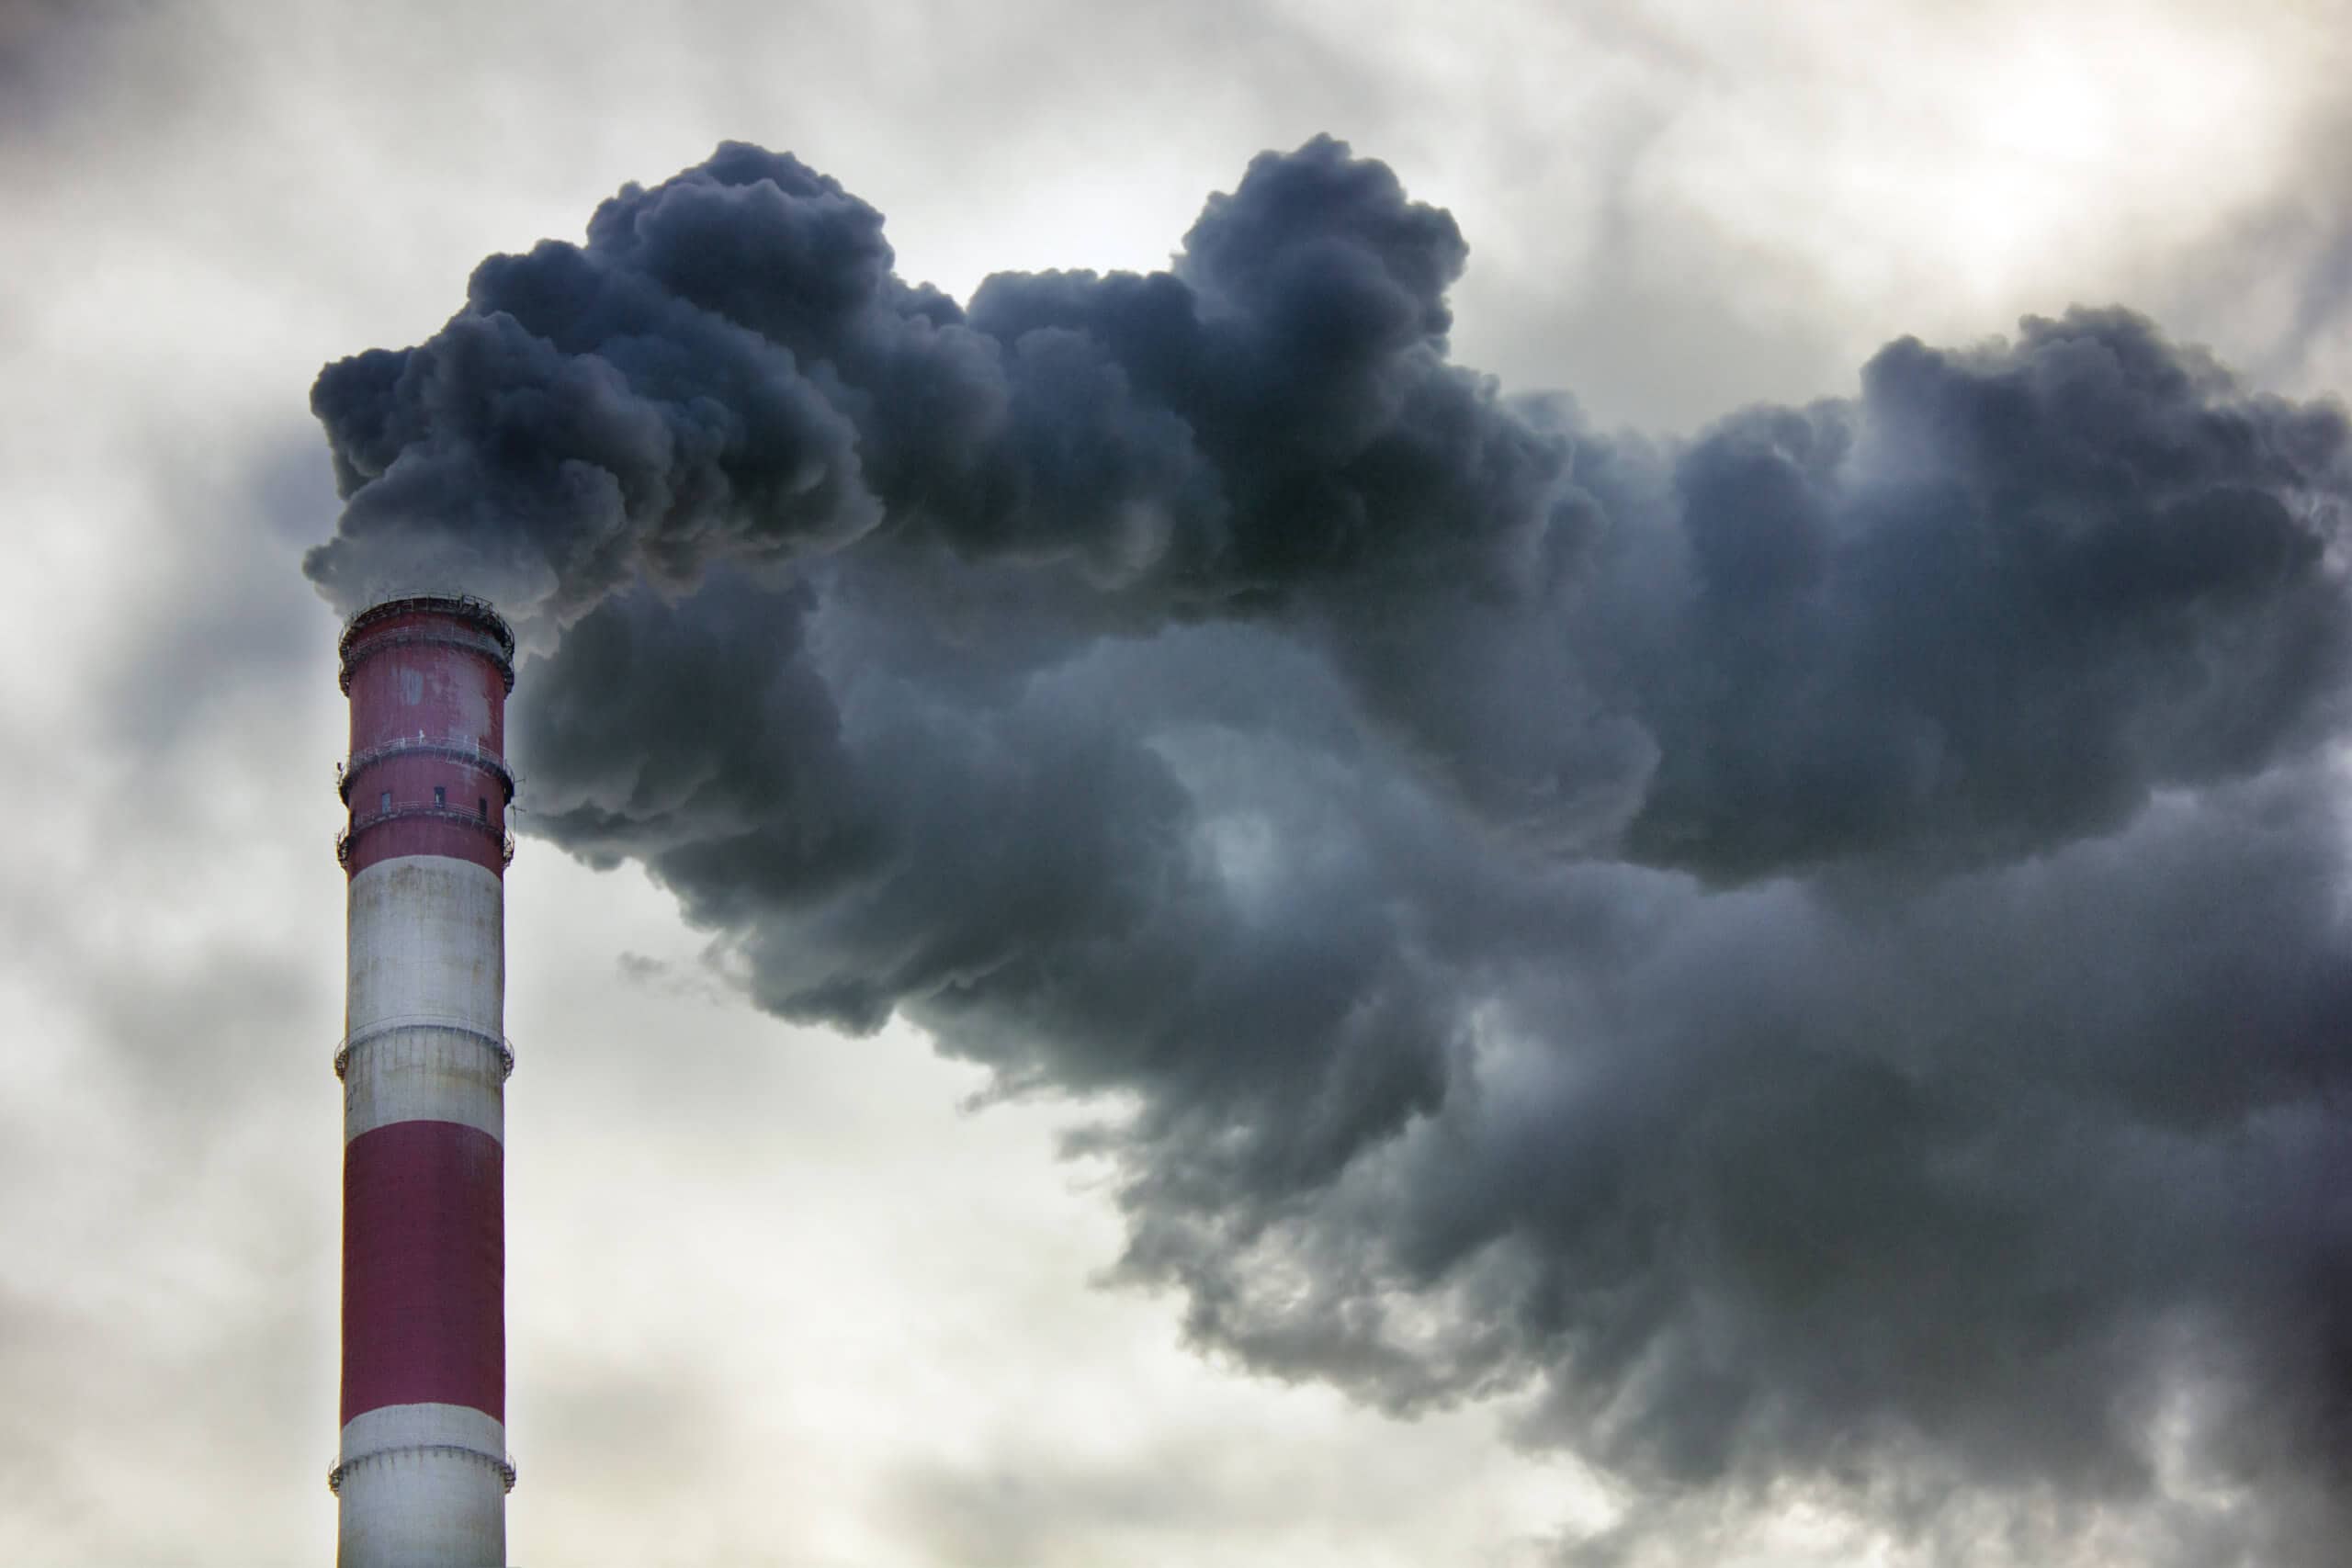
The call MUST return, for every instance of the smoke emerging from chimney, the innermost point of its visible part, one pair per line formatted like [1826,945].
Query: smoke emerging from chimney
[1814,951]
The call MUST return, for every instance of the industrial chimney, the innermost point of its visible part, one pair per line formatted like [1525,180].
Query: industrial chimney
[422,1476]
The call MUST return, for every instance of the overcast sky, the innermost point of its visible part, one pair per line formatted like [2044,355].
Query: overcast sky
[783,1295]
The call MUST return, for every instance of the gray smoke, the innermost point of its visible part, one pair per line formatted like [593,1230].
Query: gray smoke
[1816,951]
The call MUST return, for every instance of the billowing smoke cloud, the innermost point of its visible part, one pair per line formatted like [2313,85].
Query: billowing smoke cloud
[1817,952]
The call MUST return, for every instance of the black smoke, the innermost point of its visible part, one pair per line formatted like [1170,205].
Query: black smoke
[1816,953]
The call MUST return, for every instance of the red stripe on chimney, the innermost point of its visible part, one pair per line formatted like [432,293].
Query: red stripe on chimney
[424,1269]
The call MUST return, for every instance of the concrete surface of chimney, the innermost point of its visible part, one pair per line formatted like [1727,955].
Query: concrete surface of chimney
[422,1474]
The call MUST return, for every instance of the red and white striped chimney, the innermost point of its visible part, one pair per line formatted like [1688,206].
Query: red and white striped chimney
[422,1474]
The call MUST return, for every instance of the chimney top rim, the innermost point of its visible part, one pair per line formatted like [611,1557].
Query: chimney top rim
[458,606]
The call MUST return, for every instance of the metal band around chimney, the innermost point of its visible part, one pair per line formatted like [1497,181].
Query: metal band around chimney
[496,1043]
[504,1468]
[470,753]
[348,839]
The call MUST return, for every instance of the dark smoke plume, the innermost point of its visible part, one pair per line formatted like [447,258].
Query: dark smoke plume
[1815,952]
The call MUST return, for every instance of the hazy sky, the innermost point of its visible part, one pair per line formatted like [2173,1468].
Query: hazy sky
[782,1295]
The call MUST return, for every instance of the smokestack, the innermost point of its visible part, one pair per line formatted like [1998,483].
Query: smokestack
[422,1476]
